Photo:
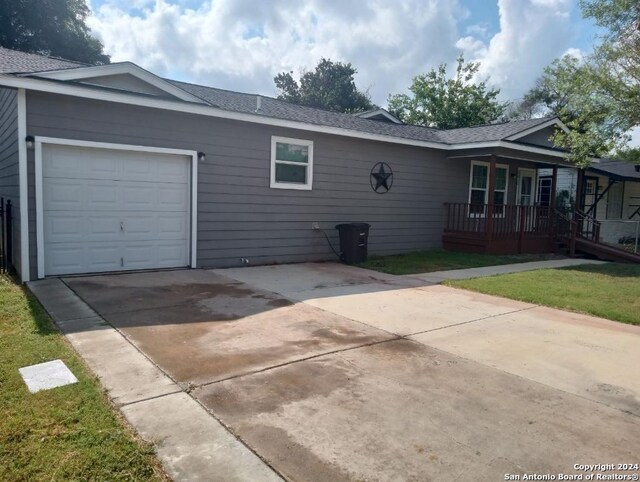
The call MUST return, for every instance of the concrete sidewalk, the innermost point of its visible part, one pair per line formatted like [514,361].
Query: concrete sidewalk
[440,276]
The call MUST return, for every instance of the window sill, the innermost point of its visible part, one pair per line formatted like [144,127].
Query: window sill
[294,187]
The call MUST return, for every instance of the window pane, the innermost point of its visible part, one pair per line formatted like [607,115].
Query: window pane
[291,173]
[501,178]
[498,197]
[479,177]
[477,196]
[292,152]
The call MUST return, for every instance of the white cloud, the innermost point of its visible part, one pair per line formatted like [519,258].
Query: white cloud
[243,44]
[532,34]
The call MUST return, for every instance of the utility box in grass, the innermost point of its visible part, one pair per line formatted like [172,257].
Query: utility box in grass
[354,238]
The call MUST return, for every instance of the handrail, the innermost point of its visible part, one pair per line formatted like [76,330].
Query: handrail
[588,226]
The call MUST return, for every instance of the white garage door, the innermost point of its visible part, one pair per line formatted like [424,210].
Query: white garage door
[112,210]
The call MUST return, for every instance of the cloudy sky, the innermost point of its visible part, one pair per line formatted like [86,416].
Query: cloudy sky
[242,44]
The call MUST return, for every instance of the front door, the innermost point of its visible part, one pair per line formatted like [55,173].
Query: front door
[526,194]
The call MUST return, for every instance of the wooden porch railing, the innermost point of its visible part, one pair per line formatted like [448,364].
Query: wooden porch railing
[508,220]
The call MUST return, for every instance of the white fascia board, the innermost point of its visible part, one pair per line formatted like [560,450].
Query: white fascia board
[509,145]
[544,125]
[210,111]
[118,69]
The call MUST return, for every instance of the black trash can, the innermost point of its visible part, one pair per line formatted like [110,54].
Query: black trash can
[353,242]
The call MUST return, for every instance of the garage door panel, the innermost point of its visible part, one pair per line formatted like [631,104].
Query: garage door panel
[136,197]
[173,226]
[170,253]
[172,172]
[173,198]
[142,226]
[80,163]
[62,227]
[62,194]
[111,210]
[102,228]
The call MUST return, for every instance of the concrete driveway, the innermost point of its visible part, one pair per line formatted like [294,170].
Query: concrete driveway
[328,372]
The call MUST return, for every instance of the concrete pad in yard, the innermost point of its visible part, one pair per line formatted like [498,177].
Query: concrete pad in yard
[403,411]
[207,351]
[193,445]
[289,279]
[405,311]
[120,293]
[591,357]
[216,329]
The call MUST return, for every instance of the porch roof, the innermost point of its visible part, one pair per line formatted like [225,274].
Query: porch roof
[506,153]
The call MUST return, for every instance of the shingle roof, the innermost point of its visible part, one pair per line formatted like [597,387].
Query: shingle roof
[15,62]
[271,107]
[617,169]
[12,61]
[490,132]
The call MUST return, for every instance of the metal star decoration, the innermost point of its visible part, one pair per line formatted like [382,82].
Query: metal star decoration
[381,177]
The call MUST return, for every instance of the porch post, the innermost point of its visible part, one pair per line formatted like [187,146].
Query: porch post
[580,190]
[491,190]
[554,187]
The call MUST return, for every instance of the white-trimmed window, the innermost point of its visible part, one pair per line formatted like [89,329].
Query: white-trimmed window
[291,163]
[479,188]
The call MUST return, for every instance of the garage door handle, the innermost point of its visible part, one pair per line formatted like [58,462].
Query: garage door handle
[121,226]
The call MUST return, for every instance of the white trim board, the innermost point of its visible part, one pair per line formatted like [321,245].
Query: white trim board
[39,141]
[119,69]
[210,111]
[25,274]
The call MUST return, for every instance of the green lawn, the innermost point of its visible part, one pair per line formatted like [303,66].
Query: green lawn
[440,260]
[608,290]
[67,433]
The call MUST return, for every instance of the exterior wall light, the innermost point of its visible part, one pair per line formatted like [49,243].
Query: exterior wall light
[201,156]
[31,142]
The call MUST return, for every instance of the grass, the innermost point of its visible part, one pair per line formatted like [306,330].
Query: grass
[608,290]
[440,260]
[67,433]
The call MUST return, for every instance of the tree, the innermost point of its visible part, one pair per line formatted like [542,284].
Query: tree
[50,27]
[597,97]
[447,103]
[330,86]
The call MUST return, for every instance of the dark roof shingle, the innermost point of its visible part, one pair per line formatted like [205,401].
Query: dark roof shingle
[16,62]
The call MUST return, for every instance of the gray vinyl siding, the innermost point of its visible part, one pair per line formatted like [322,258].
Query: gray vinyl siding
[239,215]
[9,162]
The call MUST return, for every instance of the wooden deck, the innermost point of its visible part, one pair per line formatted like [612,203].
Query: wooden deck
[510,229]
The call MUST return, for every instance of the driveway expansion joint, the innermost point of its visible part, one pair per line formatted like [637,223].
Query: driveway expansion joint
[472,321]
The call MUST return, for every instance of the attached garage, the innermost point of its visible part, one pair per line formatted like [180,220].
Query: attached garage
[110,207]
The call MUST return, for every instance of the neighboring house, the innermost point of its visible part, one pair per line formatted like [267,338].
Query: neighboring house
[113,168]
[610,194]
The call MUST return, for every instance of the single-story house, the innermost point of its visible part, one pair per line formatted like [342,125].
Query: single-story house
[113,168]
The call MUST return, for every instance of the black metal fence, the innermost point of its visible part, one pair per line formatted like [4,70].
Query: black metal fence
[6,236]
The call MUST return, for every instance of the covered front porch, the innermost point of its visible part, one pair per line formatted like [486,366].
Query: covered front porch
[509,207]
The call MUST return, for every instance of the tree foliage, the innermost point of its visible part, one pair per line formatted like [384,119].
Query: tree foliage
[50,27]
[597,97]
[446,103]
[330,86]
